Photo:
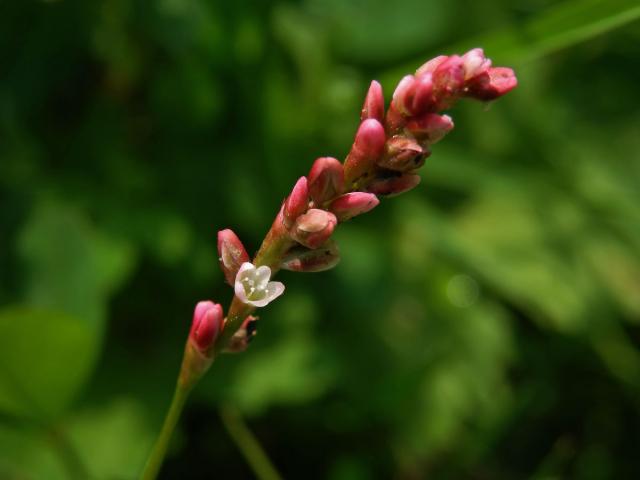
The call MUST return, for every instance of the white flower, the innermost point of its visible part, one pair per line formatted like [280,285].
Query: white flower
[253,287]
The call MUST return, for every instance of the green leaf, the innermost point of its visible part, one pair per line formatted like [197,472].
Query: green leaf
[113,440]
[71,267]
[45,357]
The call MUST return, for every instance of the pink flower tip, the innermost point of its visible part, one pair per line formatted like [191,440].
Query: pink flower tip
[394,185]
[430,127]
[373,103]
[208,321]
[475,63]
[314,227]
[297,202]
[496,82]
[231,254]
[367,147]
[352,204]
[325,180]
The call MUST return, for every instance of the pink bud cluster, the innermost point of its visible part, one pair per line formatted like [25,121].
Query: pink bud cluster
[388,149]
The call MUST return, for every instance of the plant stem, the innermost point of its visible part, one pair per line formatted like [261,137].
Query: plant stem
[67,454]
[248,444]
[159,451]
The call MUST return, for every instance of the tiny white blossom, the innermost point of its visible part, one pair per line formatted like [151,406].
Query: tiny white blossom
[252,285]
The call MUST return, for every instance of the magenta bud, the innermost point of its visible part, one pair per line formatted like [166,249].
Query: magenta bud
[367,147]
[430,127]
[423,98]
[373,103]
[314,228]
[403,95]
[431,65]
[475,63]
[208,319]
[394,185]
[353,204]
[231,254]
[494,83]
[300,259]
[297,202]
[243,336]
[448,78]
[403,154]
[325,180]
[394,121]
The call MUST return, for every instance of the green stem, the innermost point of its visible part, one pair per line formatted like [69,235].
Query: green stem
[248,444]
[68,455]
[159,451]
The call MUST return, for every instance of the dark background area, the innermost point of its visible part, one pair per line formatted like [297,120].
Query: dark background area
[485,325]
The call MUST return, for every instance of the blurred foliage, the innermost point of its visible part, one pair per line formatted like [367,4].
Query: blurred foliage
[490,330]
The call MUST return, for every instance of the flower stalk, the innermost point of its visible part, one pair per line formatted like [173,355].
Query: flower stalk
[388,149]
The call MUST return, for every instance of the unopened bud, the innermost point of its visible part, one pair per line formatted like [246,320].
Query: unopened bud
[431,65]
[448,78]
[475,63]
[403,154]
[297,202]
[367,147]
[243,336]
[403,95]
[314,228]
[353,204]
[325,180]
[207,324]
[430,127]
[423,97]
[393,185]
[373,103]
[300,259]
[231,254]
[494,83]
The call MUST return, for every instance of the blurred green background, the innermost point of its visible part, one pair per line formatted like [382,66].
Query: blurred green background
[485,325]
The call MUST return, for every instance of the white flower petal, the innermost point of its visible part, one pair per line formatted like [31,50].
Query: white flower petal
[262,276]
[240,292]
[252,285]
[274,290]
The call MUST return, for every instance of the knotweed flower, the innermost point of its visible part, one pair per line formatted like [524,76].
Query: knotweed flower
[253,287]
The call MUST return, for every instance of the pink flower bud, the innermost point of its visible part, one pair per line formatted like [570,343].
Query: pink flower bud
[475,63]
[403,95]
[395,185]
[494,83]
[374,103]
[297,202]
[314,228]
[231,254]
[431,65]
[403,154]
[430,127]
[394,120]
[423,98]
[367,147]
[300,259]
[243,336]
[325,180]
[207,323]
[448,78]
[353,204]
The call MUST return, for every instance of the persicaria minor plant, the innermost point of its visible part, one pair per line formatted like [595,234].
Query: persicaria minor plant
[388,149]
